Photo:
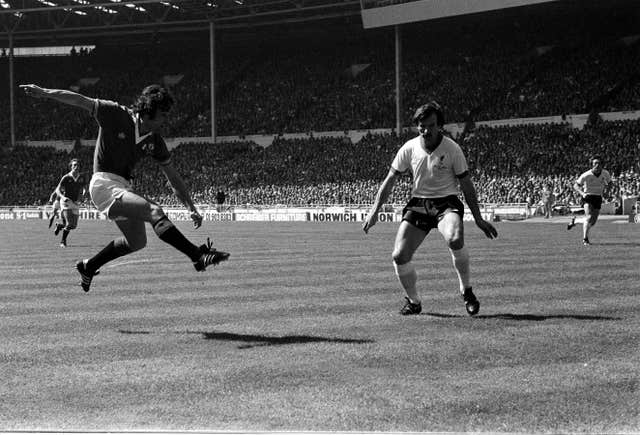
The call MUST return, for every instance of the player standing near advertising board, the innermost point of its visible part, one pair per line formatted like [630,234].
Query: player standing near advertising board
[70,189]
[438,166]
[591,186]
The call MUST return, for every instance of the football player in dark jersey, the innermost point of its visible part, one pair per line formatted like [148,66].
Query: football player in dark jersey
[71,188]
[125,136]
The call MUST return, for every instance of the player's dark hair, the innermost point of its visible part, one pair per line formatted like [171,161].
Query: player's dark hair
[426,110]
[596,157]
[152,99]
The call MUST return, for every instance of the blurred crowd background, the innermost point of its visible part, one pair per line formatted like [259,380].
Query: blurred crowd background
[534,67]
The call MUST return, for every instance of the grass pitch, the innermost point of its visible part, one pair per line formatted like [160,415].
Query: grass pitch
[299,331]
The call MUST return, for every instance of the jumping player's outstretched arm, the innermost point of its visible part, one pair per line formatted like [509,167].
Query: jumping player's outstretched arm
[61,95]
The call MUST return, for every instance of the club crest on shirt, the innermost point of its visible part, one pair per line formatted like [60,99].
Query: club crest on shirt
[121,135]
[148,147]
[440,164]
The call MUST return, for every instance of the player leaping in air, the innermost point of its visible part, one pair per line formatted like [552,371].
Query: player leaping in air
[125,136]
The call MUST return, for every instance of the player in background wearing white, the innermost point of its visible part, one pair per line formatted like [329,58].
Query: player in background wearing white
[54,201]
[438,166]
[591,186]
[125,136]
[71,188]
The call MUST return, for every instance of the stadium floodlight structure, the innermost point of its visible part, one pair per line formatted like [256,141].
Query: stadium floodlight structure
[55,22]
[383,13]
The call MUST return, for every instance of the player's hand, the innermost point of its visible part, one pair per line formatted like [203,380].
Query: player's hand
[34,91]
[197,219]
[488,229]
[370,221]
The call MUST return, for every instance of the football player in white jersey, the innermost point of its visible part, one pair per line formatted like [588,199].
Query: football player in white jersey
[438,166]
[591,186]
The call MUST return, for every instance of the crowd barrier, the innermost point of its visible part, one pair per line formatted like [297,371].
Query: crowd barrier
[238,214]
[489,212]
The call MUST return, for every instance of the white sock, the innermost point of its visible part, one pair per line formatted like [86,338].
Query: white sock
[408,277]
[461,264]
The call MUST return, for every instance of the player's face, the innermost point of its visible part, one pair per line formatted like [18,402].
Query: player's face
[596,165]
[158,121]
[75,167]
[428,129]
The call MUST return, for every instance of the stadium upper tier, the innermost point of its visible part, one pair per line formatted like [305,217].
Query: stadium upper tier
[527,68]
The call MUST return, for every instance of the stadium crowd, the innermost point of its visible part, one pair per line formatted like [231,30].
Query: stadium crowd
[514,69]
[509,165]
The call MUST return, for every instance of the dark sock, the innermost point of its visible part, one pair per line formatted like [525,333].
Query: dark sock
[168,233]
[65,233]
[116,248]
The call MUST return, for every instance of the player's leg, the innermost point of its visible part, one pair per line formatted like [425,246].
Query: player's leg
[452,229]
[134,237]
[408,239]
[71,218]
[591,217]
[132,206]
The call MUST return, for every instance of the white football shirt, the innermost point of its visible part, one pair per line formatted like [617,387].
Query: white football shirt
[592,184]
[434,174]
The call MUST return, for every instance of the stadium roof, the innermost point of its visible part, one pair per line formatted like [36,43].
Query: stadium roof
[38,21]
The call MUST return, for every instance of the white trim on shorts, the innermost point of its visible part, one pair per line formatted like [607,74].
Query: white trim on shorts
[105,188]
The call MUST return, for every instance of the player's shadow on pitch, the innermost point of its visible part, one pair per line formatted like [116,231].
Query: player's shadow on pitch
[617,243]
[255,340]
[527,317]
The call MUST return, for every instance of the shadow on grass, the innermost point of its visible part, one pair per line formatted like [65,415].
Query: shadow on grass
[254,340]
[616,243]
[529,317]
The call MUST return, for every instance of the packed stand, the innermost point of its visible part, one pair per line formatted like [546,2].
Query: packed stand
[508,68]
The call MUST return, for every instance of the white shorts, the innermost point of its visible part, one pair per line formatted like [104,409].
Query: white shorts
[68,205]
[105,188]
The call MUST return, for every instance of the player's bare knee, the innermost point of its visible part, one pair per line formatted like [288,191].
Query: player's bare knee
[455,242]
[156,212]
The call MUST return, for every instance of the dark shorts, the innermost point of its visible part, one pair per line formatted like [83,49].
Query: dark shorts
[595,201]
[434,211]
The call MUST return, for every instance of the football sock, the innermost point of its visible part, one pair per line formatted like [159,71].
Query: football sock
[461,263]
[65,233]
[116,248]
[408,277]
[168,233]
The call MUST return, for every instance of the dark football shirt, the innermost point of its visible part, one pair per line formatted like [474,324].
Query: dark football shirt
[119,146]
[72,188]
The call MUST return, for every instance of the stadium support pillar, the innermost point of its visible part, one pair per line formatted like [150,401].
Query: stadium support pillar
[398,80]
[12,118]
[212,72]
